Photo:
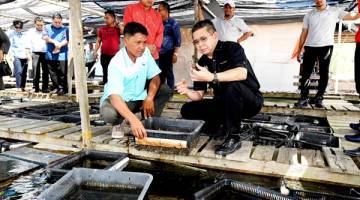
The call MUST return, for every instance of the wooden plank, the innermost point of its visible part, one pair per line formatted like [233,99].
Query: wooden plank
[287,156]
[202,141]
[47,129]
[263,153]
[34,155]
[339,162]
[352,108]
[243,154]
[209,150]
[77,136]
[5,126]
[311,158]
[30,125]
[339,107]
[63,132]
[123,142]
[102,139]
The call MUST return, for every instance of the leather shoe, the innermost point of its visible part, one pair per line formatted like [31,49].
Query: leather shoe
[355,126]
[231,144]
[353,138]
[317,101]
[61,92]
[302,102]
[353,152]
[45,91]
[54,91]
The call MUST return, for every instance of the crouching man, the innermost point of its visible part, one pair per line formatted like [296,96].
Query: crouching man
[133,84]
[225,68]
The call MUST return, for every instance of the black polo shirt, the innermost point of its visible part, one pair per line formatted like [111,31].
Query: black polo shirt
[227,55]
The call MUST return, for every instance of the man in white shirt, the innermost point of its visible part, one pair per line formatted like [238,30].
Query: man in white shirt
[317,38]
[38,49]
[229,28]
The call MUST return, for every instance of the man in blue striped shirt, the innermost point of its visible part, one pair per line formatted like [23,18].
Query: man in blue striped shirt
[170,45]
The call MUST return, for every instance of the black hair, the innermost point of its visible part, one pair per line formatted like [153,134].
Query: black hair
[38,19]
[204,23]
[133,27]
[165,5]
[57,16]
[111,13]
[18,22]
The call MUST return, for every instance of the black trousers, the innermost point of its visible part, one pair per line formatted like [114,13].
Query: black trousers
[357,67]
[58,73]
[2,85]
[311,55]
[105,60]
[89,65]
[166,66]
[236,102]
[39,62]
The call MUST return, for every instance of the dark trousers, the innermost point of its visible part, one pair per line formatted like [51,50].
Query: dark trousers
[236,102]
[20,72]
[357,67]
[105,60]
[39,62]
[166,66]
[89,65]
[311,55]
[58,73]
[110,115]
[2,85]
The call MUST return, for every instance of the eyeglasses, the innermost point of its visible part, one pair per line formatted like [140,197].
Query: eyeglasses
[202,39]
[18,27]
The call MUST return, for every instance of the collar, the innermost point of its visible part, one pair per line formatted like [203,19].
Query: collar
[228,19]
[143,7]
[218,48]
[326,9]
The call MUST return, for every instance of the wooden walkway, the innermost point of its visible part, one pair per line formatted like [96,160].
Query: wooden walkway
[328,166]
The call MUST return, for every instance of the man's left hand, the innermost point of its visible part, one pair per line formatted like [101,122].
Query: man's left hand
[201,75]
[148,107]
[174,58]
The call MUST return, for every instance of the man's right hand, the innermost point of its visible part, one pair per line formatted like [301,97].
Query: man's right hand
[138,129]
[95,54]
[1,55]
[151,47]
[182,87]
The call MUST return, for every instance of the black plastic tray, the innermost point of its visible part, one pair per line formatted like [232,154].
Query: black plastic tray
[229,189]
[177,129]
[103,183]
[106,159]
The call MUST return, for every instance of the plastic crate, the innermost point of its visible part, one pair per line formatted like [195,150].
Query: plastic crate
[83,159]
[99,184]
[308,195]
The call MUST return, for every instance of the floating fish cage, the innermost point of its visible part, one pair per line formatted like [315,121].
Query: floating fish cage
[184,134]
[99,184]
[87,159]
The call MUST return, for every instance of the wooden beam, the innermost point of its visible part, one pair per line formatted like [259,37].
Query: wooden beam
[77,46]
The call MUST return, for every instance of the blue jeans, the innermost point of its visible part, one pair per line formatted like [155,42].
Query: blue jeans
[20,72]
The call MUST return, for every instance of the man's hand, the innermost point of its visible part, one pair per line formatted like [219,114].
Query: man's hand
[174,58]
[95,54]
[151,47]
[137,128]
[201,75]
[1,55]
[182,87]
[148,107]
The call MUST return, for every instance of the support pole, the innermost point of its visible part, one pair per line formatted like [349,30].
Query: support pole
[77,46]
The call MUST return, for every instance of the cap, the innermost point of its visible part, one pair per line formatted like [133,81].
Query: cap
[230,2]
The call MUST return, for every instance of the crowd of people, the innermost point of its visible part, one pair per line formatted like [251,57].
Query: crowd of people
[139,76]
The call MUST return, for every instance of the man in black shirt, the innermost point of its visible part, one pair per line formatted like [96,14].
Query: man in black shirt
[4,48]
[225,68]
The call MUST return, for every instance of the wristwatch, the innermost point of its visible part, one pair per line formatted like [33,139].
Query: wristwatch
[215,80]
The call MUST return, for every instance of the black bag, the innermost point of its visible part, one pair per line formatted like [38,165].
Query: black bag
[5,69]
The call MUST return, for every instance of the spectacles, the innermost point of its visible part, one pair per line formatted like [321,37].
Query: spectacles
[18,27]
[201,39]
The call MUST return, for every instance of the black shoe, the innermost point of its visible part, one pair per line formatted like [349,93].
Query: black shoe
[61,92]
[317,101]
[354,152]
[231,144]
[45,91]
[36,90]
[220,134]
[353,138]
[302,102]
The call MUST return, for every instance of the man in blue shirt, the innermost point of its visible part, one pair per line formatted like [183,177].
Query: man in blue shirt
[133,84]
[57,37]
[170,46]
